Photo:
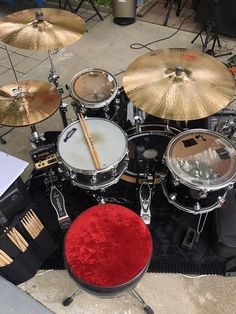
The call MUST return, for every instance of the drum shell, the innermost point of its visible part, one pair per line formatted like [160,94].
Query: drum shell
[191,200]
[151,136]
[98,179]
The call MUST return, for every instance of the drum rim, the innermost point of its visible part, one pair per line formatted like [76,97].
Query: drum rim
[93,104]
[215,187]
[94,171]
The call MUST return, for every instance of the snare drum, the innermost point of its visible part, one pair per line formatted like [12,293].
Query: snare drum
[110,142]
[202,168]
[97,92]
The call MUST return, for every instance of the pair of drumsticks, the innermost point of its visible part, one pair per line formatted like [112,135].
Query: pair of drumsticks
[89,141]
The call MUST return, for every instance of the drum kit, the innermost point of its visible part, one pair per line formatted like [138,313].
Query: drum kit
[111,138]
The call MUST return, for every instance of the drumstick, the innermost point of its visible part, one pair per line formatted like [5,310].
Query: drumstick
[36,218]
[89,141]
[5,256]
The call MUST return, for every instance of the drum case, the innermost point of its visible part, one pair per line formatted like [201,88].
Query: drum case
[223,238]
[25,264]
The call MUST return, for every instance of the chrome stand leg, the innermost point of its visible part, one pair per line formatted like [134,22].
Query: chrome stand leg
[70,299]
[147,308]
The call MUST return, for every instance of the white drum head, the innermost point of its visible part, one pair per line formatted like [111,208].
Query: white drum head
[202,159]
[109,140]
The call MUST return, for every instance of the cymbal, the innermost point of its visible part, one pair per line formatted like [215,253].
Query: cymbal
[28,103]
[41,29]
[178,84]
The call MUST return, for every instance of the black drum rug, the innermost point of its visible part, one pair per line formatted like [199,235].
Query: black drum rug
[168,228]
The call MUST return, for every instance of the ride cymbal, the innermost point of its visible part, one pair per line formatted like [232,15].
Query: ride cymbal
[41,29]
[28,103]
[178,84]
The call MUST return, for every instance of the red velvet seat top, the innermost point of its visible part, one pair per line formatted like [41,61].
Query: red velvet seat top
[107,245]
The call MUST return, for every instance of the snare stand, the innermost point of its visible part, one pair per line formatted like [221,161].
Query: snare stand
[54,79]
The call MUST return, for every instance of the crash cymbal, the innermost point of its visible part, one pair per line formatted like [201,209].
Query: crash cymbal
[32,102]
[178,84]
[41,29]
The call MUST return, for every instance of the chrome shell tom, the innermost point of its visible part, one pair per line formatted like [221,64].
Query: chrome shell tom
[96,92]
[110,142]
[202,168]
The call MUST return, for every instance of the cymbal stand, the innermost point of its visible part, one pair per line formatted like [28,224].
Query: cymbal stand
[3,141]
[37,139]
[54,79]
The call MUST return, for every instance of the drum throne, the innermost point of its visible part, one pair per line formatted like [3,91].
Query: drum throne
[107,250]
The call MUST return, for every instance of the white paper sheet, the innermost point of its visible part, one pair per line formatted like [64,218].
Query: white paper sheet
[10,169]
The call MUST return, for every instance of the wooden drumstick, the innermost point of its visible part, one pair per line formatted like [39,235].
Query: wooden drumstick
[89,141]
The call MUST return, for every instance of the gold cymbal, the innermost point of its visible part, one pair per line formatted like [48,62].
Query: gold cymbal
[41,29]
[178,84]
[28,103]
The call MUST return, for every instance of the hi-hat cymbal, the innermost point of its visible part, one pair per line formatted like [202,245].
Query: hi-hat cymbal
[178,84]
[41,29]
[28,103]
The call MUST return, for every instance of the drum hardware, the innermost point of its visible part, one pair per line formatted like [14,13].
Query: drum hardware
[54,79]
[37,139]
[174,83]
[192,235]
[228,129]
[201,170]
[145,195]
[57,200]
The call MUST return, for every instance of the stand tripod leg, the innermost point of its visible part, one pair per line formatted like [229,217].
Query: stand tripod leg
[168,12]
[67,3]
[196,37]
[63,111]
[2,140]
[70,299]
[135,295]
[94,7]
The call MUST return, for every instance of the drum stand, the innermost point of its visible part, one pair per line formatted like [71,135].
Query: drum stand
[102,199]
[133,293]
[54,79]
[192,235]
[37,139]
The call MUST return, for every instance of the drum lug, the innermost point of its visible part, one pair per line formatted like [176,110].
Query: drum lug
[230,186]
[93,179]
[72,175]
[221,200]
[197,206]
[117,101]
[203,194]
[175,182]
[118,92]
[114,173]
[137,122]
[173,196]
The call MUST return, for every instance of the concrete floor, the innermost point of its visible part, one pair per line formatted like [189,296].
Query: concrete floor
[106,46]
